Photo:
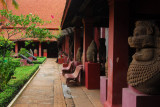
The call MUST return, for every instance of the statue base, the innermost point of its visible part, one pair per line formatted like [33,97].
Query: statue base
[133,98]
[60,60]
[35,54]
[31,58]
[92,75]
[23,62]
[103,89]
[45,54]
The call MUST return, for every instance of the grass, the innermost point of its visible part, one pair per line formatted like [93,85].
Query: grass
[40,60]
[22,75]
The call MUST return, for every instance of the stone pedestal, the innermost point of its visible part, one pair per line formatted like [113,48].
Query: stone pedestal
[35,54]
[131,98]
[60,60]
[45,52]
[103,89]
[92,75]
[31,58]
[23,62]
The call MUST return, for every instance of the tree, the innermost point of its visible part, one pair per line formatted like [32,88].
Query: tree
[25,25]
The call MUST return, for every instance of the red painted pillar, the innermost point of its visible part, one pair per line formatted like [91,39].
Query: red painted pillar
[63,46]
[117,51]
[67,44]
[97,36]
[87,36]
[77,38]
[103,32]
[16,48]
[40,50]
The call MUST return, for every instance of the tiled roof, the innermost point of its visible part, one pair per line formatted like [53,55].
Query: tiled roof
[45,9]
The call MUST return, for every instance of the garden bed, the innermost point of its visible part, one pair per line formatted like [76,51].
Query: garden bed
[39,60]
[22,75]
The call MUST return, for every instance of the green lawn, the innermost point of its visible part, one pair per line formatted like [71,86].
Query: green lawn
[22,75]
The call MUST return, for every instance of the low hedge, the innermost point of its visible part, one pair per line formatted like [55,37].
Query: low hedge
[22,75]
[39,60]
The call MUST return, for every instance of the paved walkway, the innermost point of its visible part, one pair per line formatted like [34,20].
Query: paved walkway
[45,90]
[48,89]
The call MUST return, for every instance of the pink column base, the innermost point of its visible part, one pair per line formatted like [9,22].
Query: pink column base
[103,89]
[131,98]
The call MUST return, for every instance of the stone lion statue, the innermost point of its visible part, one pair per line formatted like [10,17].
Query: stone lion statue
[144,70]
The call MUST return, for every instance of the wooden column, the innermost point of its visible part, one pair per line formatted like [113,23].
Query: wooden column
[77,34]
[97,36]
[40,49]
[87,36]
[118,51]
[16,47]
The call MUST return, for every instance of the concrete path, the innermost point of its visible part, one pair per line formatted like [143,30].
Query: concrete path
[45,90]
[48,89]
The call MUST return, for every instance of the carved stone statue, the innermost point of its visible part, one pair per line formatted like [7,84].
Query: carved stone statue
[92,52]
[79,54]
[144,70]
[30,51]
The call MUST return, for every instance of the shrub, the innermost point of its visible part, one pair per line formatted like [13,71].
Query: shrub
[7,68]
[23,52]
[22,75]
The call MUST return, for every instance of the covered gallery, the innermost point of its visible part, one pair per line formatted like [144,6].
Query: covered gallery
[113,20]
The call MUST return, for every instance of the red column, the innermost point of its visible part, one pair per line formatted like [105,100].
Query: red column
[67,44]
[63,46]
[16,48]
[117,51]
[40,50]
[77,38]
[87,36]
[97,36]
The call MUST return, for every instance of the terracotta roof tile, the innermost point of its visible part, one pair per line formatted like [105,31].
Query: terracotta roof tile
[45,9]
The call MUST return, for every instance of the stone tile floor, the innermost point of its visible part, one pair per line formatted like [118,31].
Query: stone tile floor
[48,89]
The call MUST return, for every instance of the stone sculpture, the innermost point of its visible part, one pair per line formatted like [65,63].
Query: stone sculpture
[79,54]
[92,52]
[144,70]
[34,58]
[35,51]
[30,51]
